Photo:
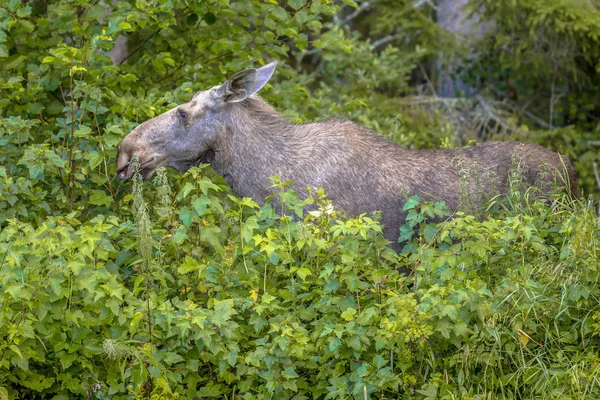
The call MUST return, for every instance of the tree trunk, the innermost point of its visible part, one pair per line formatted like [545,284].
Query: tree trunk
[454,18]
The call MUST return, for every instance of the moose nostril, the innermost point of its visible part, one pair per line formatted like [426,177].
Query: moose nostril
[122,171]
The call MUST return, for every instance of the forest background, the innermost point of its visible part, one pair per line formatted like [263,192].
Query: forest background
[175,288]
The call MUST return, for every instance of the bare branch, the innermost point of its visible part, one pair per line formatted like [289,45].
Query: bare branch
[366,6]
[520,109]
[385,40]
[538,120]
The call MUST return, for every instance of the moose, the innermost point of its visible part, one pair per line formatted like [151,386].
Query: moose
[247,141]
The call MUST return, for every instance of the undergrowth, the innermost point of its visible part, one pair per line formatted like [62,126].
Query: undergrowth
[197,294]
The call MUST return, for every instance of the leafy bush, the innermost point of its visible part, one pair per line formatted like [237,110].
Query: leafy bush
[179,289]
[212,298]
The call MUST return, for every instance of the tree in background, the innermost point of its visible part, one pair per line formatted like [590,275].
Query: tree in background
[526,70]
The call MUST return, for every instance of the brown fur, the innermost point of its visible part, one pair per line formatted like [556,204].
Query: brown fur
[247,141]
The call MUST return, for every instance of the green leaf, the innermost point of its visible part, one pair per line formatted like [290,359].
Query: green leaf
[354,342]
[126,26]
[14,62]
[134,323]
[289,373]
[411,203]
[55,285]
[54,159]
[210,18]
[185,215]
[303,273]
[296,4]
[223,311]
[189,265]
[429,232]
[280,13]
[95,158]
[83,131]
[100,198]
[200,204]
[348,315]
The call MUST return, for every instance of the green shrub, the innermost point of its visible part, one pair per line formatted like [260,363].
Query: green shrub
[178,289]
[220,297]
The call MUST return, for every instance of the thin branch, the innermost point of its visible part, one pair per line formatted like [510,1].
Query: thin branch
[183,12]
[366,6]
[140,46]
[520,108]
[385,40]
[429,82]
[538,120]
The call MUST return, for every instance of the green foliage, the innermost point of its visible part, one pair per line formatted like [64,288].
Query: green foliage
[543,57]
[550,52]
[178,289]
[238,299]
[511,298]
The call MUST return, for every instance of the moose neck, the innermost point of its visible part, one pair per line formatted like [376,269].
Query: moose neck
[257,143]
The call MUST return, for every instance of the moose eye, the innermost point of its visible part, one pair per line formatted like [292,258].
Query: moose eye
[182,115]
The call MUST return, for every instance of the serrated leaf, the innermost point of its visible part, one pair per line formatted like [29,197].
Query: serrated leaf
[100,198]
[83,131]
[54,158]
[303,273]
[411,203]
[348,315]
[223,310]
[189,265]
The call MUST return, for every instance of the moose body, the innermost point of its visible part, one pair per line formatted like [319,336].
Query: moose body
[247,142]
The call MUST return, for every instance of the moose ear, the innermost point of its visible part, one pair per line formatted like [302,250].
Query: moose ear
[245,83]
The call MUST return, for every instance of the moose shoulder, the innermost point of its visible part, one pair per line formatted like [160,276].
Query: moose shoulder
[247,141]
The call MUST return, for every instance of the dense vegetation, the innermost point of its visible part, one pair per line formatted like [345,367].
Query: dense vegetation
[175,288]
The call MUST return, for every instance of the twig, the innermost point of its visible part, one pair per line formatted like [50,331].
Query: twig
[424,72]
[385,40]
[538,120]
[140,46]
[520,109]
[366,6]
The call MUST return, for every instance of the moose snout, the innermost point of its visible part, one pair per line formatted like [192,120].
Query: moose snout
[123,162]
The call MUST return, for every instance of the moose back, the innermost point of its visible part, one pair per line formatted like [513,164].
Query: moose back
[247,141]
